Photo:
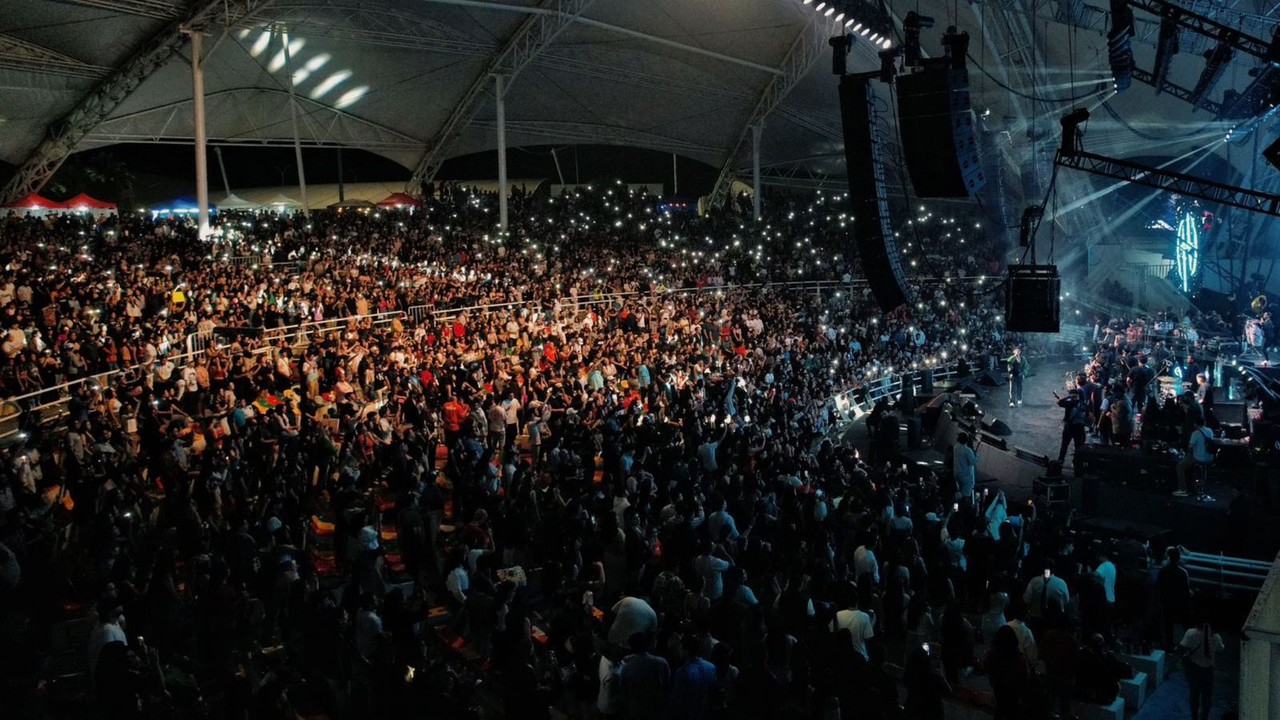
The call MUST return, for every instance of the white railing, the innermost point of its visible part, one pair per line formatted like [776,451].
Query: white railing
[54,399]
[196,344]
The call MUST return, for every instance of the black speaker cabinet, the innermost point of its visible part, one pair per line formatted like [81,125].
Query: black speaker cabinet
[1033,299]
[938,138]
[868,198]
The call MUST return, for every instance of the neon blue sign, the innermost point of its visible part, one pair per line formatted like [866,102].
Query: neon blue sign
[1187,251]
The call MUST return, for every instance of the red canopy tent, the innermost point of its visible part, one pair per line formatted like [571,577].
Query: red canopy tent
[396,200]
[34,202]
[87,203]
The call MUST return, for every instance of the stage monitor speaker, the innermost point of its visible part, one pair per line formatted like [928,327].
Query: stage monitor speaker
[938,138]
[1033,299]
[868,198]
[990,378]
[1236,413]
[996,426]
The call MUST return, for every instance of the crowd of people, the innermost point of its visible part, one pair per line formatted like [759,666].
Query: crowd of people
[615,489]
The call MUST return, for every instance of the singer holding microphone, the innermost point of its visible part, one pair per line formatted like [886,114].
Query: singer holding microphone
[1017,366]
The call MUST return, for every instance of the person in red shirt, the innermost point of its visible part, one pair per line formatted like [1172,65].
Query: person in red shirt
[455,415]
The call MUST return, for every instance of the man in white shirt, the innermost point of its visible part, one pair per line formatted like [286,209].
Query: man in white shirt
[511,409]
[711,564]
[864,561]
[859,624]
[110,629]
[368,626]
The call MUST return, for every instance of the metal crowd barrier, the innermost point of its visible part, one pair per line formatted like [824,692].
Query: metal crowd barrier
[52,400]
[1224,572]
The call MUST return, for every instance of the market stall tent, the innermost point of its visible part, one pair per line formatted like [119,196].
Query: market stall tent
[34,204]
[87,203]
[397,200]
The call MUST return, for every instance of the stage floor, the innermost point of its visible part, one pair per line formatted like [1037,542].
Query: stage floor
[1036,424]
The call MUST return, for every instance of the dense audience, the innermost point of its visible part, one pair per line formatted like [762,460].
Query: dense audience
[620,493]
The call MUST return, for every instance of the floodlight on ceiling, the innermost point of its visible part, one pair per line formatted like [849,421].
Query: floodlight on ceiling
[848,22]
[830,11]
[330,83]
[840,17]
[857,27]
[865,30]
[887,42]
[820,6]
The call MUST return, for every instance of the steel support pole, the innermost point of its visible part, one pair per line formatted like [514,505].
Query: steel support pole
[297,141]
[499,86]
[675,175]
[202,152]
[755,171]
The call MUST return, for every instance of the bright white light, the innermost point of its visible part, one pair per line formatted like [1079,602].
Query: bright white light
[829,11]
[260,45]
[820,6]
[277,61]
[875,38]
[351,96]
[857,27]
[301,74]
[865,30]
[840,17]
[848,22]
[330,83]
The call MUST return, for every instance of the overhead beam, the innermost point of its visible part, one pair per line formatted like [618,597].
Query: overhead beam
[534,10]
[599,134]
[132,127]
[157,9]
[534,34]
[809,45]
[1189,185]
[62,137]
[18,54]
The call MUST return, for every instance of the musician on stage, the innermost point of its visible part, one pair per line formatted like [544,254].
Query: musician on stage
[1140,378]
[1075,419]
[1192,372]
[1017,366]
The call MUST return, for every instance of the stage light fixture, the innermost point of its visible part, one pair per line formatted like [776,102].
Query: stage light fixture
[840,17]
[911,27]
[1071,123]
[830,11]
[820,6]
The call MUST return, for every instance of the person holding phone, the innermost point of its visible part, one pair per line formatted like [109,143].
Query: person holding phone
[1046,597]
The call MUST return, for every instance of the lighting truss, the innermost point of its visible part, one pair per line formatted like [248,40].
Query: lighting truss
[1188,185]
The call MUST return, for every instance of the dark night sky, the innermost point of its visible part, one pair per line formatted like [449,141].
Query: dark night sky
[160,172]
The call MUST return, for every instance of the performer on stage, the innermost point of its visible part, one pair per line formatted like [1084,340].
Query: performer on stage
[1140,378]
[1075,418]
[1017,366]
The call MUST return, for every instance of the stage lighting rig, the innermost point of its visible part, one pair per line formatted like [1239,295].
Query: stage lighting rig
[889,64]
[911,27]
[1072,155]
[1120,44]
[1071,135]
